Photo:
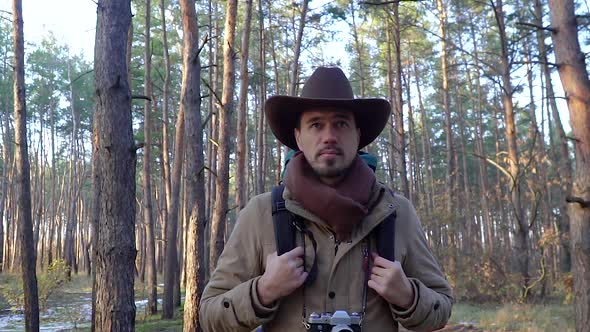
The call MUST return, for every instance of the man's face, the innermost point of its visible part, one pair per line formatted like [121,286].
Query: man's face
[329,140]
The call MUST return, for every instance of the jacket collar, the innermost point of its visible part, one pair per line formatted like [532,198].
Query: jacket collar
[382,205]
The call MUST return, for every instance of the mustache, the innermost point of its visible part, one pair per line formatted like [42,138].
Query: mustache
[330,148]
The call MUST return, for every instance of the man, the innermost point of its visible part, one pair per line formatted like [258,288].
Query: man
[340,201]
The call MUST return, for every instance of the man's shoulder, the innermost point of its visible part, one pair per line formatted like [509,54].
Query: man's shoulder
[394,196]
[257,207]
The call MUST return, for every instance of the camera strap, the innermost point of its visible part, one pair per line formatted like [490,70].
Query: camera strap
[366,247]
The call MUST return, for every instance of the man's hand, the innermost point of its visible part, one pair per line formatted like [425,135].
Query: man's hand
[282,276]
[390,282]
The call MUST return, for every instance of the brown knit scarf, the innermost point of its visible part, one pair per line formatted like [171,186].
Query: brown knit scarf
[342,206]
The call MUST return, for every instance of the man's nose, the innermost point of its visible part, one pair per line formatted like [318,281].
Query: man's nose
[329,134]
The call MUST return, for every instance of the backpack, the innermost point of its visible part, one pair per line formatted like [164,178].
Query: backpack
[287,224]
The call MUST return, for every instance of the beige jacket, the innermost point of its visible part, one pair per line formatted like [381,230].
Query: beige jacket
[230,301]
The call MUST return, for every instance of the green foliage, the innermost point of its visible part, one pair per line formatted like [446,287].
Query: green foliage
[51,280]
[11,292]
[48,282]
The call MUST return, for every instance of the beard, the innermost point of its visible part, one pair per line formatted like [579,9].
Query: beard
[331,169]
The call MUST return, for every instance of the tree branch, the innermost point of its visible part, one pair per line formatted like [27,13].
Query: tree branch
[207,119]
[572,199]
[371,3]
[217,98]
[495,164]
[538,27]
[141,97]
[81,75]
[534,63]
[205,40]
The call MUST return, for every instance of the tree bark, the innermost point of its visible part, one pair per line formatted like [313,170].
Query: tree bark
[165,160]
[574,77]
[293,86]
[480,147]
[358,47]
[564,166]
[171,259]
[23,181]
[277,85]
[68,252]
[191,105]
[451,168]
[522,230]
[6,158]
[150,258]
[398,112]
[426,146]
[392,152]
[225,119]
[114,161]
[241,183]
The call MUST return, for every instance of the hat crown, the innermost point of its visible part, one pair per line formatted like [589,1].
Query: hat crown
[327,83]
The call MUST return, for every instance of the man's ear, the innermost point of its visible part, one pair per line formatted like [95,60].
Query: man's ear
[297,133]
[358,134]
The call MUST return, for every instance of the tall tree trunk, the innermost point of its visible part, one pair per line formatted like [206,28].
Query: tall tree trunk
[425,142]
[6,159]
[564,166]
[241,183]
[412,174]
[68,253]
[277,85]
[522,229]
[114,160]
[451,167]
[171,259]
[467,217]
[25,218]
[225,119]
[398,113]
[165,160]
[480,147]
[358,47]
[214,80]
[148,216]
[392,152]
[574,77]
[261,132]
[191,103]
[293,86]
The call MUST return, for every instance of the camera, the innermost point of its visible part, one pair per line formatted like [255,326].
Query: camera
[336,322]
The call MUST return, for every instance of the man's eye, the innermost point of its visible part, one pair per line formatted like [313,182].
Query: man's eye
[314,125]
[343,124]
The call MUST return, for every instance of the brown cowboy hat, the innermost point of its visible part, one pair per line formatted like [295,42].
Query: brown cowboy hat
[326,88]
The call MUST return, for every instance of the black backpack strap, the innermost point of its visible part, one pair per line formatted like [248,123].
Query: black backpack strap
[286,226]
[281,218]
[385,236]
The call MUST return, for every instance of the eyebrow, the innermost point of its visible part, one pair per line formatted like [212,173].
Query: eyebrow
[340,115]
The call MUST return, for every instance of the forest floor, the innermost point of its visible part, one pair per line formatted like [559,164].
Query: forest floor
[69,308]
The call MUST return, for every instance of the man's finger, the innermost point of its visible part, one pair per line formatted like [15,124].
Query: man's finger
[375,286]
[298,261]
[382,272]
[302,278]
[296,252]
[382,262]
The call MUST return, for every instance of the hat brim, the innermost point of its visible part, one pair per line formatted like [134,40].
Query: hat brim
[282,112]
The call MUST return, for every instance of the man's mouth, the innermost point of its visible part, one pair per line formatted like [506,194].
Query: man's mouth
[330,152]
